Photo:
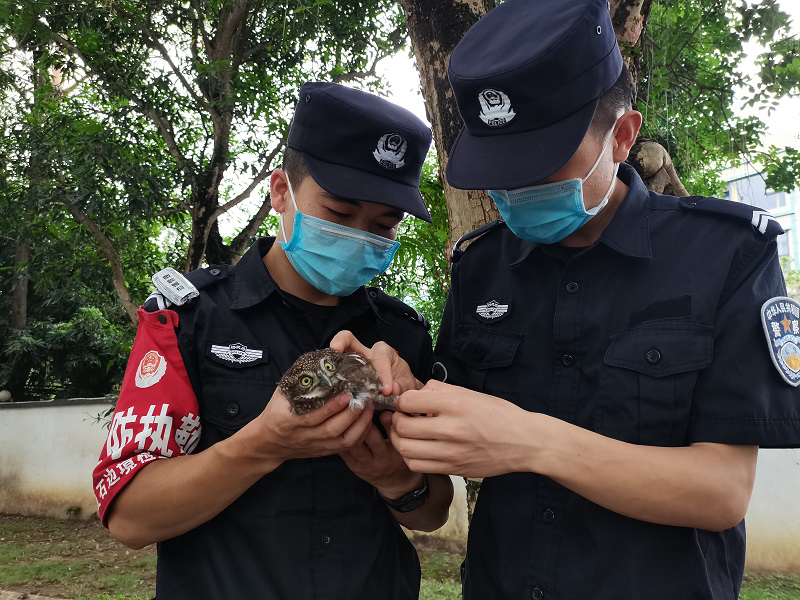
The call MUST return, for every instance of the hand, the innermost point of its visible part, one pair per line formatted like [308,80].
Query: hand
[462,432]
[394,372]
[379,464]
[329,429]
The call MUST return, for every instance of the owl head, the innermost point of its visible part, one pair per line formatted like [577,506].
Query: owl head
[316,375]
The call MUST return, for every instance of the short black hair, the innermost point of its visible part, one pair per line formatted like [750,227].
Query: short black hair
[294,164]
[617,99]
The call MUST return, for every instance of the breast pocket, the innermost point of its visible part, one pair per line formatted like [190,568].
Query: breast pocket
[647,382]
[487,354]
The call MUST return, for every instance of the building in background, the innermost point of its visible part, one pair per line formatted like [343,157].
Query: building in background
[746,184]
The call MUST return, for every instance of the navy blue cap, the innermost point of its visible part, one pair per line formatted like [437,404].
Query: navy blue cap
[358,146]
[527,78]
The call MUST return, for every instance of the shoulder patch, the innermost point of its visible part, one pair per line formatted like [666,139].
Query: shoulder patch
[780,317]
[172,286]
[761,220]
[471,235]
[394,305]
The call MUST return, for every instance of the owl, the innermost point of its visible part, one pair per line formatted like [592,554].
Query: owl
[319,376]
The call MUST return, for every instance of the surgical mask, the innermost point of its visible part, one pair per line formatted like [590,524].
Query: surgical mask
[334,258]
[550,212]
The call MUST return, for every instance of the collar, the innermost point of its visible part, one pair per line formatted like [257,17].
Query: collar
[253,282]
[629,230]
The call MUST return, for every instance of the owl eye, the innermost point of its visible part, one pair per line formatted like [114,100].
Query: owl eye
[305,381]
[328,366]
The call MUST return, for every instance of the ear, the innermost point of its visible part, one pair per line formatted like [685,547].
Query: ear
[279,190]
[628,126]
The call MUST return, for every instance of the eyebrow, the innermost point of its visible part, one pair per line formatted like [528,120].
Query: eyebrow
[391,212]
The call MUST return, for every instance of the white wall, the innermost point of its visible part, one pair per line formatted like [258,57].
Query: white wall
[48,451]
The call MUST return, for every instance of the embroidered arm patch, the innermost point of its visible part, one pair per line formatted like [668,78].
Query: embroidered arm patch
[780,317]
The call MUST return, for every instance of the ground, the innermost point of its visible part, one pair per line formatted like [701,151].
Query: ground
[79,560]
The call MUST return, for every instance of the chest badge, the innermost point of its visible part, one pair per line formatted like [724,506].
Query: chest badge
[236,354]
[781,320]
[493,310]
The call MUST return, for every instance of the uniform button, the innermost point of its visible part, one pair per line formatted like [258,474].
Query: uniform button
[537,594]
[653,356]
[373,293]
[162,318]
[232,409]
[572,287]
[479,355]
[548,516]
[567,360]
[326,539]
[308,96]
[214,272]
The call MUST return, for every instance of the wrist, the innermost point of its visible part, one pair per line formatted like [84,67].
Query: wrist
[398,489]
[539,444]
[252,444]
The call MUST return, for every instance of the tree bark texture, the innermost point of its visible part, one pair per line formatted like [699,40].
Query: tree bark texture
[19,291]
[435,27]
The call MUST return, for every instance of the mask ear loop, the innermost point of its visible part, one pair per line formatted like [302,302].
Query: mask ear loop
[294,203]
[609,135]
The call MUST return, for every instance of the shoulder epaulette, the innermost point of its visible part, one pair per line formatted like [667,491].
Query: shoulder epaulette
[391,303]
[761,220]
[198,279]
[470,235]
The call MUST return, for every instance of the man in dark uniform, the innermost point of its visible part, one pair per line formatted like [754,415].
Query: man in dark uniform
[625,353]
[246,499]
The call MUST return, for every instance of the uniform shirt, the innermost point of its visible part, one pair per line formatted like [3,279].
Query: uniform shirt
[197,374]
[651,336]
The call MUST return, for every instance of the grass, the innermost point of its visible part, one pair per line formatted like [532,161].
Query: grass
[79,560]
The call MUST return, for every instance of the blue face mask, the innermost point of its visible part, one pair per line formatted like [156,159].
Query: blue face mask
[333,258]
[550,212]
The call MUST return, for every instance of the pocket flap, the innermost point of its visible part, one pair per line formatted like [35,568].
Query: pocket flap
[485,347]
[661,350]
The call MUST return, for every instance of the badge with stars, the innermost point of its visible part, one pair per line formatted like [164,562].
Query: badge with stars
[781,319]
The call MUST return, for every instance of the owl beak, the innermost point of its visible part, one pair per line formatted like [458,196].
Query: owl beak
[327,379]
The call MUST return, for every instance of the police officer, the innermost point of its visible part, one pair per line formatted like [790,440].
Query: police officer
[246,499]
[614,357]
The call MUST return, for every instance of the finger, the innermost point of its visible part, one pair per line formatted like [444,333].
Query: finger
[327,410]
[345,341]
[419,402]
[424,449]
[360,453]
[375,442]
[430,467]
[420,428]
[383,361]
[354,435]
[335,425]
[387,420]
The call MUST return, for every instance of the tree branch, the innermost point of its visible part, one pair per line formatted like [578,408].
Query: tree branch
[113,257]
[162,124]
[152,40]
[243,239]
[262,174]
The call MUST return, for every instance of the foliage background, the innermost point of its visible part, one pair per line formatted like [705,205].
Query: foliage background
[79,134]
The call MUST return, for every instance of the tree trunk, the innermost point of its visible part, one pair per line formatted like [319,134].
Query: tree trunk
[111,254]
[435,28]
[629,18]
[19,291]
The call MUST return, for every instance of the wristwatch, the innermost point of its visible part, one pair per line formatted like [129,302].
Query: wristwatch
[412,500]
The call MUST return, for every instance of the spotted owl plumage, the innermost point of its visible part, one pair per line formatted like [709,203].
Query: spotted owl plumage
[319,376]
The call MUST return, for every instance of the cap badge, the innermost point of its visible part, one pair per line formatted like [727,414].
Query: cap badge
[390,151]
[780,317]
[496,108]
